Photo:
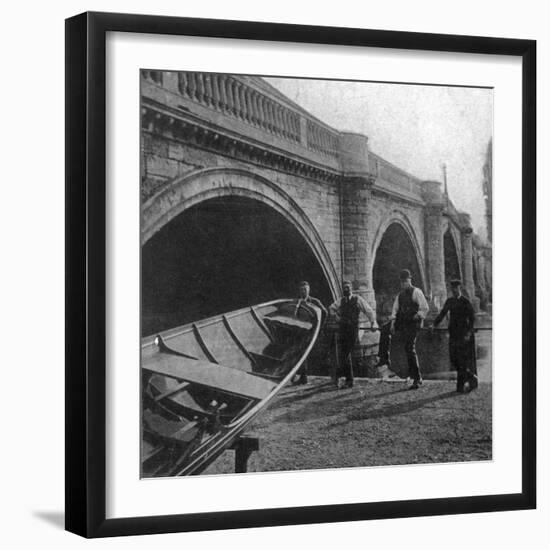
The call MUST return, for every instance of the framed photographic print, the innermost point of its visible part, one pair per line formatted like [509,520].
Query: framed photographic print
[300,274]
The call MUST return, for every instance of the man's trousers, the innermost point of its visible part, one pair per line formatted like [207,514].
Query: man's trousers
[347,337]
[409,334]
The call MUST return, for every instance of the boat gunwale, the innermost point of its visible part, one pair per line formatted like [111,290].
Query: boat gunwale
[232,429]
[203,323]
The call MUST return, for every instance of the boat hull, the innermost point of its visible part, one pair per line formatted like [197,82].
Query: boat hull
[205,382]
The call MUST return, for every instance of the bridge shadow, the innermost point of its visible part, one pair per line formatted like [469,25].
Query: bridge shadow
[299,393]
[395,409]
[344,393]
[334,407]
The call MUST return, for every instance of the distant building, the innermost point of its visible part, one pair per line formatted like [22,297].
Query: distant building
[488,189]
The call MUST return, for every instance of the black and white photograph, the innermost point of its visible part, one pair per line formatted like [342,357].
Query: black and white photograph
[316,273]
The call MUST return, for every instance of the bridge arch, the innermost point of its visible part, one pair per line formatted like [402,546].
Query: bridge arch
[395,247]
[226,199]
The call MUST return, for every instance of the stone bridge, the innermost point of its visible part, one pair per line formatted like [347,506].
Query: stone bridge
[244,193]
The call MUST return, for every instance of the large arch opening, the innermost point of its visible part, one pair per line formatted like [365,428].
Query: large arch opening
[223,254]
[394,253]
[452,265]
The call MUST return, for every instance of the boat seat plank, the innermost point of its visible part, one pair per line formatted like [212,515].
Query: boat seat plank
[288,322]
[210,375]
[180,387]
[260,356]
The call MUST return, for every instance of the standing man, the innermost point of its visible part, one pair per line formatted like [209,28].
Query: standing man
[303,296]
[461,337]
[408,313]
[347,312]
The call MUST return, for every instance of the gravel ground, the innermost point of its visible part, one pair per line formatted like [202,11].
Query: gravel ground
[374,423]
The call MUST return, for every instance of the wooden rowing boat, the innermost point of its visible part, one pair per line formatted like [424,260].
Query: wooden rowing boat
[204,382]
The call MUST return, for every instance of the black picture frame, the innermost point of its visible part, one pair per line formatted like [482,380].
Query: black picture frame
[86,269]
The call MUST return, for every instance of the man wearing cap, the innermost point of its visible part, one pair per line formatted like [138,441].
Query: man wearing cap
[461,336]
[303,296]
[408,313]
[347,312]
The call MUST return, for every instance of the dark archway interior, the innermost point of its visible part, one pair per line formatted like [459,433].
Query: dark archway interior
[221,255]
[395,252]
[452,268]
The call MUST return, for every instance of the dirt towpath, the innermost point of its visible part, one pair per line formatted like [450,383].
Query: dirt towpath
[374,423]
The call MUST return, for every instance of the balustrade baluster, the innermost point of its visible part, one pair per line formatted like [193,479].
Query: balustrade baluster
[296,127]
[275,119]
[248,104]
[230,96]
[223,97]
[242,98]
[276,124]
[286,123]
[263,112]
[207,90]
[215,92]
[255,110]
[210,91]
[192,86]
[200,87]
[280,120]
[236,101]
[269,117]
[293,131]
[182,83]
[237,98]
[259,115]
[280,112]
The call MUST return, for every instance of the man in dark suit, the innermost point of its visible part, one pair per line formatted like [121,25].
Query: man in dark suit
[461,337]
[347,312]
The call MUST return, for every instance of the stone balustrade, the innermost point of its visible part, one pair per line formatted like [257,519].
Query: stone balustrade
[387,172]
[235,97]
[320,139]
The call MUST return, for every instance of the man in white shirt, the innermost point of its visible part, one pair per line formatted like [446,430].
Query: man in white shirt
[408,313]
[347,312]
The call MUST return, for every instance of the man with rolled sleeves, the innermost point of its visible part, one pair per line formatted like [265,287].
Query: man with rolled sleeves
[408,313]
[304,296]
[461,336]
[347,312]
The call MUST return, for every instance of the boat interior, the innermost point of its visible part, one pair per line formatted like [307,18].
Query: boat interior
[206,379]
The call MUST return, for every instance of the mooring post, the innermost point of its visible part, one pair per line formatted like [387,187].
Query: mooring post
[243,447]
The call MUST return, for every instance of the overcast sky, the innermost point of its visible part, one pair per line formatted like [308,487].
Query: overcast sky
[418,128]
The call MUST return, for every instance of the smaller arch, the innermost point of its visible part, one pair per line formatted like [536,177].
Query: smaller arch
[395,250]
[400,218]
